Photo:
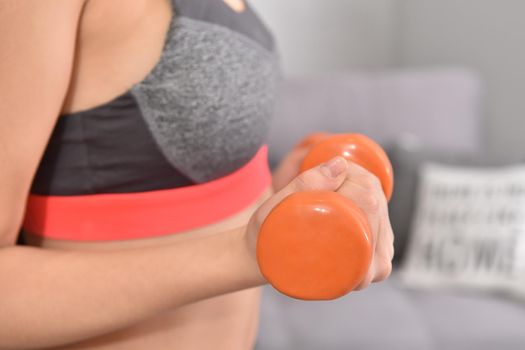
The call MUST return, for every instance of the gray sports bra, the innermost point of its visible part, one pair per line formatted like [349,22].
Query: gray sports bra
[201,113]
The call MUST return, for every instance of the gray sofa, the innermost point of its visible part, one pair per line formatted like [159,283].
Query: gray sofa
[442,108]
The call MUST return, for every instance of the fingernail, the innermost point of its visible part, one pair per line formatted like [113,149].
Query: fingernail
[334,167]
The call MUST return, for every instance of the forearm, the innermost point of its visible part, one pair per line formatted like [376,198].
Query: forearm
[56,297]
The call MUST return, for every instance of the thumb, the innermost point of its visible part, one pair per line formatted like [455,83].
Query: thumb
[328,176]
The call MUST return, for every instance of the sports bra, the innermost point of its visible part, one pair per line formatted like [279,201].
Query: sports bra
[182,148]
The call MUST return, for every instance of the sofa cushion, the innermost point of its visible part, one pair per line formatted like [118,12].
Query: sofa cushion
[438,105]
[389,316]
[408,154]
[468,228]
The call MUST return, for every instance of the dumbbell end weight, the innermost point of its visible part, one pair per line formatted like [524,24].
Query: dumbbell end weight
[317,246]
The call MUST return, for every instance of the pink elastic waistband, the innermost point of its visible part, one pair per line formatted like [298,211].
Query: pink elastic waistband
[103,217]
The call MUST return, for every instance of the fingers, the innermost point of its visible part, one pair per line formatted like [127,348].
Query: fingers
[382,262]
[364,189]
[384,250]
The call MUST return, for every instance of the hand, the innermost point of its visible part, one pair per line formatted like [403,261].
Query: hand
[358,185]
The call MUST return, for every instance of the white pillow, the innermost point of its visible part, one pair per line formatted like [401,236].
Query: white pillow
[468,229]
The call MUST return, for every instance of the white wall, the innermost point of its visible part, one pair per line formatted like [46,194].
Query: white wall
[317,36]
[486,35]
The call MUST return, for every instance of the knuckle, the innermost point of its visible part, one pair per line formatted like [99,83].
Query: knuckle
[367,184]
[370,182]
[366,282]
[370,203]
[300,183]
[384,270]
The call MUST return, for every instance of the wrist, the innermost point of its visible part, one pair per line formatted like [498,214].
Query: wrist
[244,245]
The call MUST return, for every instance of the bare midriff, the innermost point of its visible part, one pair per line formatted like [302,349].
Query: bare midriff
[225,322]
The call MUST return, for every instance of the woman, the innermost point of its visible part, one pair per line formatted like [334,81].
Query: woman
[132,155]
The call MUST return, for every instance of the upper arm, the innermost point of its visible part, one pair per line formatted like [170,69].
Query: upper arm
[37,45]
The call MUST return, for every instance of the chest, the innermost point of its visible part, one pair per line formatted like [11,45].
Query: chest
[199,112]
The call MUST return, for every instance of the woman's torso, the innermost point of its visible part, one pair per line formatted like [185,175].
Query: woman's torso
[226,322]
[120,43]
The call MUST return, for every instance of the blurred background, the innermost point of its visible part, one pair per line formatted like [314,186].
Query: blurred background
[332,36]
[440,85]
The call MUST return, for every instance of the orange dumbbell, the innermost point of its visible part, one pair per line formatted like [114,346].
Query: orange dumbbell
[317,245]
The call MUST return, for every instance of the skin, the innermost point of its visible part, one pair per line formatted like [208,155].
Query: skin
[192,290]
[236,5]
